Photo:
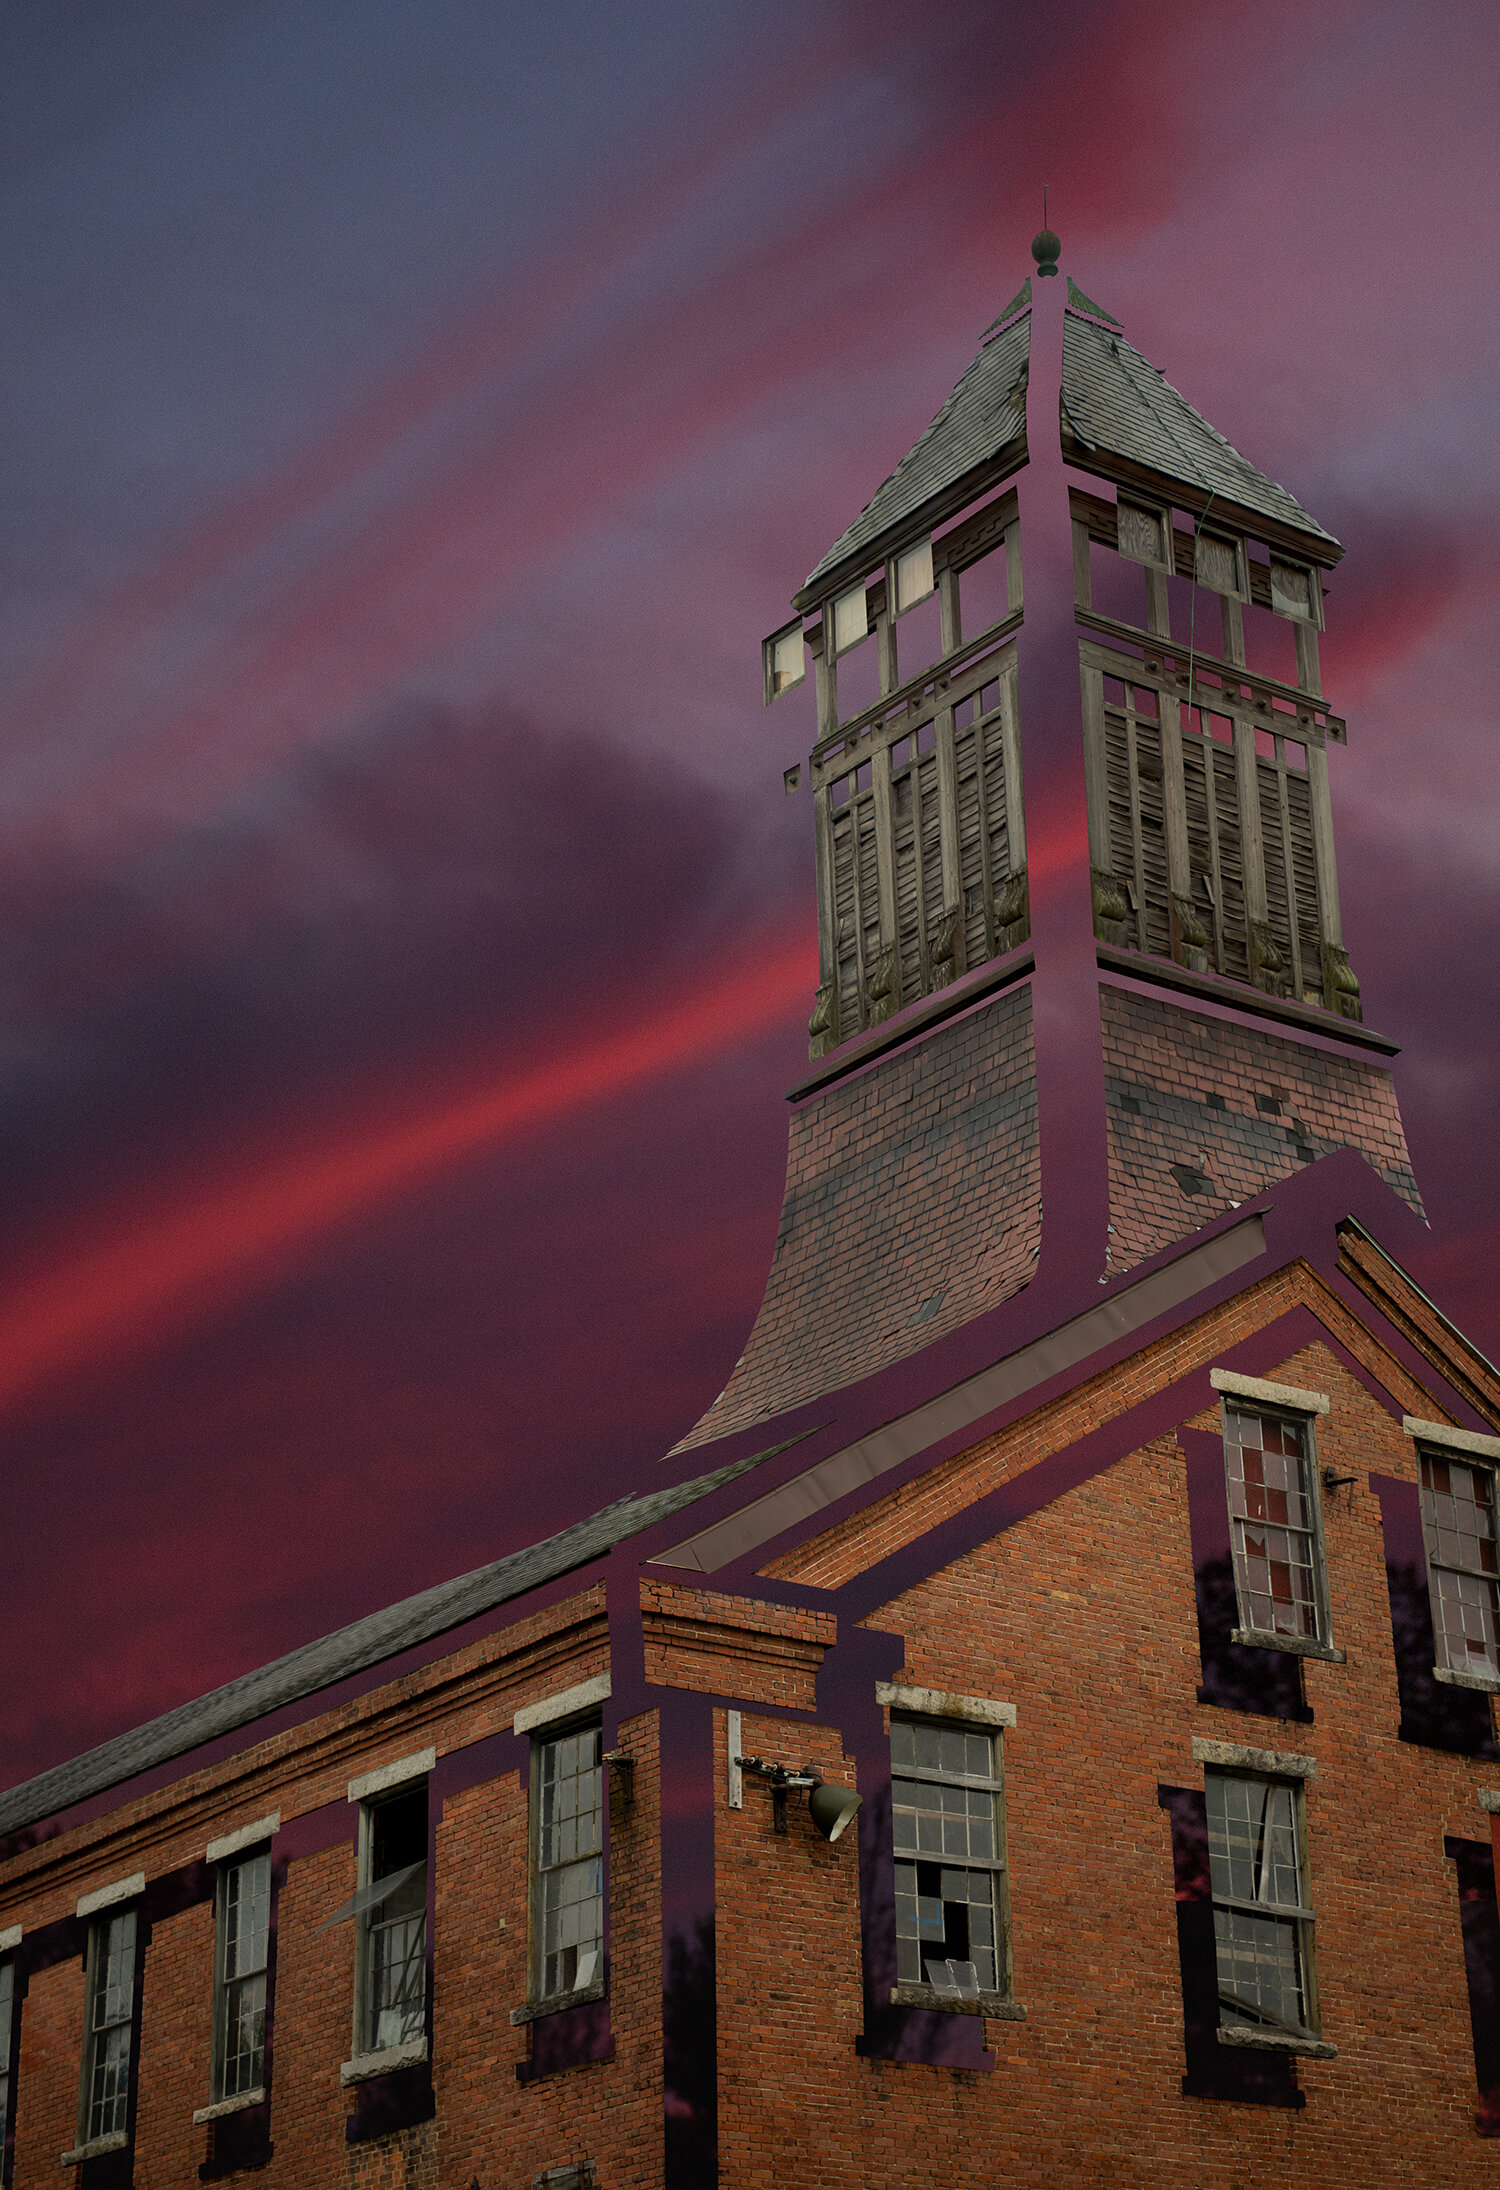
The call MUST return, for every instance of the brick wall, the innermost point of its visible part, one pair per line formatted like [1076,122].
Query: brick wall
[912,1204]
[1084,1617]
[1203,1113]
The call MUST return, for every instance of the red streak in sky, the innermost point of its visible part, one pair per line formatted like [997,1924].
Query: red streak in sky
[166,1269]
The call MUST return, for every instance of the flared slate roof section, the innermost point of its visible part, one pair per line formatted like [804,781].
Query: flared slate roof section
[1125,420]
[350,1650]
[977,439]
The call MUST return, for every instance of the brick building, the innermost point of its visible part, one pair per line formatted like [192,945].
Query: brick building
[1136,1568]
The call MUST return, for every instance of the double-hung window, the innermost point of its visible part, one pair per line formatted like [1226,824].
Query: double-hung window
[109,2008]
[1458,1525]
[1263,1926]
[1275,1523]
[241,1943]
[948,1843]
[391,1984]
[567,1813]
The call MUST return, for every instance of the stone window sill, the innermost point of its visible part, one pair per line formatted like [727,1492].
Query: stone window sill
[1296,1646]
[1487,1683]
[1276,2041]
[559,2001]
[384,2063]
[96,2147]
[236,2105]
[985,2003]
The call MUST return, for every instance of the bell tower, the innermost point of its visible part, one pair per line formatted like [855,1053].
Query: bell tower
[1097,637]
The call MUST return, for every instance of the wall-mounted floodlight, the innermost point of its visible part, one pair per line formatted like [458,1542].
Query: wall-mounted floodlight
[830,1808]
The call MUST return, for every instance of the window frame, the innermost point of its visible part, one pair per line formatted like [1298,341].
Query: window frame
[1430,1452]
[1321,1643]
[10,2017]
[95,1964]
[1308,2036]
[241,1860]
[367,1921]
[921,1991]
[538,2001]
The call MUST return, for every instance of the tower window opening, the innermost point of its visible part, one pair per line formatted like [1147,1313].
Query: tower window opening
[851,619]
[912,575]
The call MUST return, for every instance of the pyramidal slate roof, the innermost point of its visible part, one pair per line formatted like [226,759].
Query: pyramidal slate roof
[982,425]
[1116,403]
[349,1650]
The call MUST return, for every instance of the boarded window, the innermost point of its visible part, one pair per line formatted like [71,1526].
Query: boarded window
[1143,535]
[1291,591]
[1218,564]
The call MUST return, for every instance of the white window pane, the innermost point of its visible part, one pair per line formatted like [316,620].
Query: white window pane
[788,664]
[913,576]
[851,619]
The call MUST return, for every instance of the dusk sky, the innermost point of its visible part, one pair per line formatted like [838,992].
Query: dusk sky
[414,414]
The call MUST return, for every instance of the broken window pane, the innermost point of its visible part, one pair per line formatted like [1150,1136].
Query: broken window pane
[111,1997]
[949,1866]
[1273,1522]
[395,1927]
[569,1912]
[1458,1524]
[1254,1859]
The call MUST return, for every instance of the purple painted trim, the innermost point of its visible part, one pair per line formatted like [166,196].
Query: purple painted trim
[313,1705]
[574,2037]
[1213,2071]
[386,2104]
[1362,1045]
[915,1023]
[314,1831]
[690,2008]
[1479,1922]
[1433,1715]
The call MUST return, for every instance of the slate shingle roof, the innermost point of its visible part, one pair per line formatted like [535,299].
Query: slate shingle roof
[985,414]
[353,1649]
[913,1204]
[1114,401]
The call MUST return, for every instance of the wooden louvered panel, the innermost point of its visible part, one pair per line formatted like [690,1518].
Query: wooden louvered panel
[1124,834]
[994,801]
[1202,850]
[971,849]
[1235,932]
[1305,875]
[908,914]
[846,921]
[1155,913]
[926,771]
[869,883]
[1278,911]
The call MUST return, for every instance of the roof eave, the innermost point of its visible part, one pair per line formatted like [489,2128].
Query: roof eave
[1315,546]
[1011,457]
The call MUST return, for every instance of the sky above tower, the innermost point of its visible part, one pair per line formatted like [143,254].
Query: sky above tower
[415,416]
